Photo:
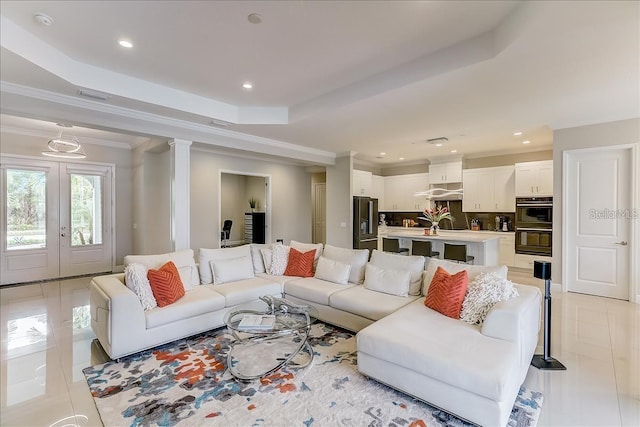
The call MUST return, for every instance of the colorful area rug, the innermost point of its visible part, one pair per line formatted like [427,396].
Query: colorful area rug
[186,383]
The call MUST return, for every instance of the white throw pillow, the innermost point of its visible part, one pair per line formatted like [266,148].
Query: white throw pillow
[135,277]
[333,271]
[279,260]
[256,257]
[482,294]
[356,258]
[231,270]
[189,276]
[205,256]
[413,263]
[267,258]
[389,281]
[473,271]
[306,247]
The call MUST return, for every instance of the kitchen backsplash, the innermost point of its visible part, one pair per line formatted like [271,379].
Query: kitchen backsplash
[487,221]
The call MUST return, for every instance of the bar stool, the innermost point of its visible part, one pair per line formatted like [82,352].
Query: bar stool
[422,247]
[457,253]
[393,245]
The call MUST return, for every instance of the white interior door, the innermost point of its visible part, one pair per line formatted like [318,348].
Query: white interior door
[597,221]
[56,220]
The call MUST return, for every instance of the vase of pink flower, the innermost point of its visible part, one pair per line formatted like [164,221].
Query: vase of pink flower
[434,216]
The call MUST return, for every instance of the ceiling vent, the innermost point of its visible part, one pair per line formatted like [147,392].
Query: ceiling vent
[220,123]
[99,96]
[438,141]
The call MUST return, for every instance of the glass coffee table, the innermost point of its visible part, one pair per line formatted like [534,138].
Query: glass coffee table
[259,351]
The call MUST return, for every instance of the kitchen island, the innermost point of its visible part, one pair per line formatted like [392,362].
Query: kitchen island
[484,247]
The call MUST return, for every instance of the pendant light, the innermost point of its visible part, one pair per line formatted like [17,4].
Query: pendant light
[65,147]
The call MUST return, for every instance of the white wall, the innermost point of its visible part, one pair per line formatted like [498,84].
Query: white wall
[598,135]
[290,197]
[155,221]
[24,145]
[256,189]
[340,202]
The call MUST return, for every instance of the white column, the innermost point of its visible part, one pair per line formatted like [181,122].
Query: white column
[180,194]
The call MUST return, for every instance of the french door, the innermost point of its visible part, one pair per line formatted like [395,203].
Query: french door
[56,219]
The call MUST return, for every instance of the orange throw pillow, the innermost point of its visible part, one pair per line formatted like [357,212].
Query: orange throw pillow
[446,292]
[300,264]
[166,285]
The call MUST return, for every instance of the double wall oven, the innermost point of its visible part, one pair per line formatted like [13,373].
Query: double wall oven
[534,220]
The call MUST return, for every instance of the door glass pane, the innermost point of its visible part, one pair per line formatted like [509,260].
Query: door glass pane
[86,210]
[26,209]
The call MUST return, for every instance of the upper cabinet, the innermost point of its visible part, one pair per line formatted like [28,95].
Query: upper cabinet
[489,189]
[362,183]
[534,179]
[399,192]
[377,189]
[442,173]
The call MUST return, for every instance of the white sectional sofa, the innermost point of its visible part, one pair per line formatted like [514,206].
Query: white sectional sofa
[472,371]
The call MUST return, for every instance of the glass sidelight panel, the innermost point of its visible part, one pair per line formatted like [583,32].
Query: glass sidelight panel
[86,210]
[26,200]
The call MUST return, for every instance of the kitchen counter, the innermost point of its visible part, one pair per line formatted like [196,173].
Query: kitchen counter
[484,246]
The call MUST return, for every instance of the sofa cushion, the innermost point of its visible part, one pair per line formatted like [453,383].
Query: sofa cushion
[195,303]
[356,258]
[413,263]
[482,294]
[231,270]
[165,283]
[453,267]
[246,290]
[135,277]
[276,259]
[313,290]
[256,257]
[205,256]
[183,260]
[306,247]
[447,292]
[277,279]
[389,281]
[448,350]
[366,303]
[300,263]
[333,271]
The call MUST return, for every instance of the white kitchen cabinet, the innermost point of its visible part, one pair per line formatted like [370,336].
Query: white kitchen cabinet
[507,251]
[442,173]
[534,179]
[489,189]
[526,261]
[362,183]
[399,192]
[377,189]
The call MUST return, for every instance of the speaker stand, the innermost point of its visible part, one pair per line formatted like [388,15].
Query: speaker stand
[545,361]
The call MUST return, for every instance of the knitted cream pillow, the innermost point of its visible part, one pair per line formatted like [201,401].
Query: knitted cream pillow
[482,294]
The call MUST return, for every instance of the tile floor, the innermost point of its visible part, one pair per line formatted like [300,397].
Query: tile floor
[46,341]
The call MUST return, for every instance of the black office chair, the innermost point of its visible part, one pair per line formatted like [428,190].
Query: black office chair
[393,245]
[457,253]
[226,232]
[423,247]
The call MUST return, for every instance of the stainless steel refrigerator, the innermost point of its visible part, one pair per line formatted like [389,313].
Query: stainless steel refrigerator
[365,223]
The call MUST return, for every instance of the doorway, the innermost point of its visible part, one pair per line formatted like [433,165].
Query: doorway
[236,190]
[597,221]
[56,219]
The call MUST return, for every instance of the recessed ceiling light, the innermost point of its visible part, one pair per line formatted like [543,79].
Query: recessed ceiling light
[454,151]
[439,144]
[125,43]
[247,85]
[254,18]
[526,142]
[383,154]
[401,158]
[518,133]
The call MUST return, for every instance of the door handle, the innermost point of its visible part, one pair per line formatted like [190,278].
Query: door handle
[623,243]
[63,235]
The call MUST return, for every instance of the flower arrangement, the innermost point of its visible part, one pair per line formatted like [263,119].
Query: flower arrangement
[436,215]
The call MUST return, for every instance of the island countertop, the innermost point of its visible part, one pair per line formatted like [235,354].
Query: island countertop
[450,236]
